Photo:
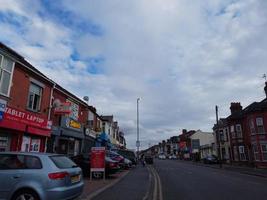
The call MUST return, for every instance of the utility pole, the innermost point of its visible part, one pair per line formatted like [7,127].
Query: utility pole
[137,141]
[218,137]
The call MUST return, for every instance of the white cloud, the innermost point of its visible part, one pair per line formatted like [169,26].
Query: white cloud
[181,58]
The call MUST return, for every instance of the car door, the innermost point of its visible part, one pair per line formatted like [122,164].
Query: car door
[10,174]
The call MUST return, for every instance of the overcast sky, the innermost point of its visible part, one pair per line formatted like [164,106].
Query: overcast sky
[180,57]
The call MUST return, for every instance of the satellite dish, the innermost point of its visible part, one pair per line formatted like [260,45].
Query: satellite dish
[86,98]
[56,103]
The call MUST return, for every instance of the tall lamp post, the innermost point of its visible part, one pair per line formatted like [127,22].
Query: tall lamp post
[137,126]
[218,137]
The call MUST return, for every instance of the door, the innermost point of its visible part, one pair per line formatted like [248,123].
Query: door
[26,142]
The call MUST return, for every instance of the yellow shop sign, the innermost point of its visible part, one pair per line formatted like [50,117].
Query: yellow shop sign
[75,124]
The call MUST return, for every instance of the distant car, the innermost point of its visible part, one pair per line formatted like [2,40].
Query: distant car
[162,156]
[172,157]
[148,159]
[38,176]
[210,159]
[117,157]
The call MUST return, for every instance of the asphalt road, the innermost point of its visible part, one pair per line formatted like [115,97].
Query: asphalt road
[182,180]
[134,186]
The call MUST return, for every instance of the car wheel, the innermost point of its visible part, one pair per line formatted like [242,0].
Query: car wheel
[25,195]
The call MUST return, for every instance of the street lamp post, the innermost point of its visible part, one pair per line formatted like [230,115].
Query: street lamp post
[218,137]
[137,126]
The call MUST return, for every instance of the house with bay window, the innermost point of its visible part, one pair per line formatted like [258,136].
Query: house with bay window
[25,96]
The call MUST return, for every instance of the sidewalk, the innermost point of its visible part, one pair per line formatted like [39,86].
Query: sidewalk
[239,169]
[94,187]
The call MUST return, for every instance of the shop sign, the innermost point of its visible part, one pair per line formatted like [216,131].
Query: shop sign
[98,159]
[14,114]
[74,110]
[90,132]
[70,123]
[2,108]
[63,108]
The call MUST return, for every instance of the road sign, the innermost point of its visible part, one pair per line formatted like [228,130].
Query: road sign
[98,159]
[137,143]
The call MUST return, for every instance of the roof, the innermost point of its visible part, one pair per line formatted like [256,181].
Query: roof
[108,118]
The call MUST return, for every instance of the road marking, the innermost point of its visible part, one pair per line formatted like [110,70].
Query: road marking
[159,183]
[149,184]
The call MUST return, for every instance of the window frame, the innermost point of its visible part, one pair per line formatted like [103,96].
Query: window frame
[256,152]
[260,125]
[252,126]
[242,153]
[263,152]
[40,98]
[11,74]
[239,133]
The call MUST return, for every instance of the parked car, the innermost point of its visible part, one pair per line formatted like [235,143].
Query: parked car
[84,162]
[117,157]
[210,159]
[162,156]
[38,176]
[148,159]
[127,154]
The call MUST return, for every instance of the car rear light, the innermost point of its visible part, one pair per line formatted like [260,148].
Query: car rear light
[58,175]
[112,164]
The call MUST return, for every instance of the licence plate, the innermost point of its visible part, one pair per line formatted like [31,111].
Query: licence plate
[75,179]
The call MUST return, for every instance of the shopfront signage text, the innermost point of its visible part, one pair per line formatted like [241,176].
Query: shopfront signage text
[63,108]
[26,118]
[70,123]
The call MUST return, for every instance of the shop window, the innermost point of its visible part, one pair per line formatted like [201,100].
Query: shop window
[252,126]
[34,99]
[6,71]
[260,127]
[3,143]
[255,152]
[242,154]
[238,131]
[264,151]
[35,145]
[221,135]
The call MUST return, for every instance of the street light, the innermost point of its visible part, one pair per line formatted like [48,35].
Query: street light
[137,141]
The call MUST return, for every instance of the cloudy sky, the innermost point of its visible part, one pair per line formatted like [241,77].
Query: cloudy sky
[180,57]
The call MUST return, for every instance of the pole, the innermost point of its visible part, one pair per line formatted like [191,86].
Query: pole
[137,142]
[218,137]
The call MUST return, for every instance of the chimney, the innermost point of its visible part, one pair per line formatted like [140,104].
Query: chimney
[184,131]
[235,107]
[265,89]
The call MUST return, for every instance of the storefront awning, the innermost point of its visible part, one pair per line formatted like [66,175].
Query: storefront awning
[12,125]
[37,131]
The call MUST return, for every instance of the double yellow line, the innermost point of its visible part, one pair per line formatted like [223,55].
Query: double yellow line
[157,188]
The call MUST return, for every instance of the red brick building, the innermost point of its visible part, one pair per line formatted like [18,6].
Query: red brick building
[247,132]
[25,95]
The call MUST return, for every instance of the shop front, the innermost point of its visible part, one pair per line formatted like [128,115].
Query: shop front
[23,131]
[68,137]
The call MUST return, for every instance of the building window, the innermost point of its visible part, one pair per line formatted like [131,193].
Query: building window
[252,126]
[226,133]
[260,127]
[242,154]
[235,153]
[238,131]
[264,151]
[221,135]
[232,130]
[6,71]
[35,96]
[255,152]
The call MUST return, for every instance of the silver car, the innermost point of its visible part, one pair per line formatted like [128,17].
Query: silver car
[38,176]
